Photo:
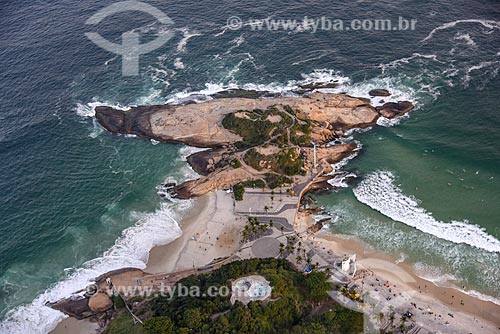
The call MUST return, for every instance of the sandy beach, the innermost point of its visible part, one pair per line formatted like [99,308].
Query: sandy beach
[211,230]
[434,304]
[74,326]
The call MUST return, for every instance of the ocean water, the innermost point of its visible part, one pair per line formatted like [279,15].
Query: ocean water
[76,201]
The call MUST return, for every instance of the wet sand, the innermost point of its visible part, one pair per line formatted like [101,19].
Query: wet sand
[211,230]
[470,314]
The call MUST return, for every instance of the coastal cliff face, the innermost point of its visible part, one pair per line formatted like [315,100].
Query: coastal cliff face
[199,124]
[252,137]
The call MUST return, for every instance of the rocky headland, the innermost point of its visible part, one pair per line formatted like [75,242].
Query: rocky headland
[253,136]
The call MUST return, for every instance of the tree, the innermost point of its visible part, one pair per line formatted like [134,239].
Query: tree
[193,318]
[317,285]
[159,325]
[380,317]
[391,319]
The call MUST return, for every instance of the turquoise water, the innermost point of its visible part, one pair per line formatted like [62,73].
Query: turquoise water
[77,201]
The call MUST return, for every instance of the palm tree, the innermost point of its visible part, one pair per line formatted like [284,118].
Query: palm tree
[299,259]
[244,234]
[391,319]
[402,327]
[380,317]
[271,223]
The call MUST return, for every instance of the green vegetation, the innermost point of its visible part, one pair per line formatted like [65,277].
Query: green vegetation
[118,301]
[123,324]
[236,163]
[275,180]
[253,158]
[238,190]
[299,304]
[159,325]
[300,133]
[254,130]
[287,161]
[253,229]
[254,184]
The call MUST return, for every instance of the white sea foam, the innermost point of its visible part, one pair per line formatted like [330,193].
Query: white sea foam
[399,91]
[88,110]
[187,35]
[338,166]
[378,190]
[388,122]
[481,296]
[340,179]
[492,25]
[466,39]
[178,64]
[489,65]
[324,76]
[235,43]
[130,250]
[440,278]
[434,274]
[96,130]
[407,60]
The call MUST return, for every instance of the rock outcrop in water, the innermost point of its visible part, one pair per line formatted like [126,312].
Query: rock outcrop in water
[252,135]
[379,92]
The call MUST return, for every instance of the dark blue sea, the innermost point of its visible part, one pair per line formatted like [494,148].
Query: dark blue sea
[76,201]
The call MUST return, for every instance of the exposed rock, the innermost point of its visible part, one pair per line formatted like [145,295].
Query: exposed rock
[318,225]
[379,92]
[76,307]
[205,162]
[219,179]
[330,154]
[100,302]
[321,135]
[250,94]
[312,86]
[199,124]
[395,109]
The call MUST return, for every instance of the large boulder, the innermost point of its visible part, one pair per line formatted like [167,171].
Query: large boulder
[379,92]
[395,109]
[100,302]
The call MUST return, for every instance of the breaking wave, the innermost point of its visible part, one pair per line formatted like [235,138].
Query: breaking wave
[378,191]
[485,23]
[131,249]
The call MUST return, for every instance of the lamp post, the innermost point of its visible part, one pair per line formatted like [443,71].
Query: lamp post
[314,157]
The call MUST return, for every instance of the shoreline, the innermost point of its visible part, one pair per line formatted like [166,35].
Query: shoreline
[465,308]
[211,230]
[157,261]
